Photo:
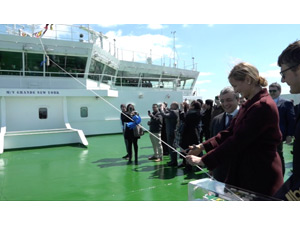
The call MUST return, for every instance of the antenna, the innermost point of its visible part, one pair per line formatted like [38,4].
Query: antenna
[174,49]
[193,63]
[114,47]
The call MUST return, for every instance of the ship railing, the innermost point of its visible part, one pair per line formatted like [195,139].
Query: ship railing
[85,34]
[113,81]
[54,31]
[140,82]
[153,59]
[63,74]
[11,72]
[154,82]
[39,73]
[147,82]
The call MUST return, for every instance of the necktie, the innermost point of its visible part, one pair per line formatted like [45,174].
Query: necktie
[229,120]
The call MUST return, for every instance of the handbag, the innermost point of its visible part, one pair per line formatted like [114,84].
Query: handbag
[138,131]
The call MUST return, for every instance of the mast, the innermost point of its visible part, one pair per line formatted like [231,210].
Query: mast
[193,63]
[174,49]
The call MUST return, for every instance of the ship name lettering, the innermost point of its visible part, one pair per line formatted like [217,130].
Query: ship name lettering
[25,92]
[53,92]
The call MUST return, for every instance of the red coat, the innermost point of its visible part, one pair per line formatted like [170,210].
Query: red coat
[250,144]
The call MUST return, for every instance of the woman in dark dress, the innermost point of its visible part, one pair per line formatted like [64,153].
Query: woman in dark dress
[129,135]
[249,143]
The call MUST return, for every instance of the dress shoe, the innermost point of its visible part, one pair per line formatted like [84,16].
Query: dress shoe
[173,164]
[181,165]
[125,156]
[158,160]
[152,158]
[188,168]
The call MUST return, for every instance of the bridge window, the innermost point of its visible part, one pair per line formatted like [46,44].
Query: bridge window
[72,64]
[109,70]
[96,67]
[33,64]
[10,63]
[187,84]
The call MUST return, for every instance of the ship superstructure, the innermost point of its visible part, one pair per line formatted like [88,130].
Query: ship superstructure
[53,88]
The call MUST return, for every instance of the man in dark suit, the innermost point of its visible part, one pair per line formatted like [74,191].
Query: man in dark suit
[229,102]
[288,61]
[206,119]
[217,108]
[171,117]
[286,118]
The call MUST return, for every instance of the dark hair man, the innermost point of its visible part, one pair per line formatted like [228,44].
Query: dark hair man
[289,62]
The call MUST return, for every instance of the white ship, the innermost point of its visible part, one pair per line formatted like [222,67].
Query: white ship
[42,104]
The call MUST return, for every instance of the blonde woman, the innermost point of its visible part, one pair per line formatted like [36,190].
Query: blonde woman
[249,143]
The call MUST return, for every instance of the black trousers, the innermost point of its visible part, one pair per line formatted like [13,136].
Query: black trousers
[280,152]
[133,141]
[173,154]
[126,144]
[164,138]
[205,133]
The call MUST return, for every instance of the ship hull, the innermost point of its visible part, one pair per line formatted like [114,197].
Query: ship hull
[24,127]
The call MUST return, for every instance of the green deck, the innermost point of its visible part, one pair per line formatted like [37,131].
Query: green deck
[95,173]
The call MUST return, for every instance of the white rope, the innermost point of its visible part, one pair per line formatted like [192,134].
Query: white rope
[171,147]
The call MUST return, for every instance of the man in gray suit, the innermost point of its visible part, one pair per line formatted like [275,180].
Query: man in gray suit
[229,101]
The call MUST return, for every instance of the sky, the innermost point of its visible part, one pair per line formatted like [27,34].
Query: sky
[216,48]
[217,34]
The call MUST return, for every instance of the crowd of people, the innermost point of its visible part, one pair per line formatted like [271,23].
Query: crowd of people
[238,136]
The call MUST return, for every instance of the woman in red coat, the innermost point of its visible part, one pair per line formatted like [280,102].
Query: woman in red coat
[249,144]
